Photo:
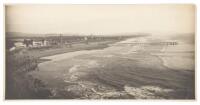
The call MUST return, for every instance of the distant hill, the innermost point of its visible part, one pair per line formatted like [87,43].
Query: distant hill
[30,35]
[19,34]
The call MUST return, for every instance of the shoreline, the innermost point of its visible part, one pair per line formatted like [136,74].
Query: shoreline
[77,47]
[91,46]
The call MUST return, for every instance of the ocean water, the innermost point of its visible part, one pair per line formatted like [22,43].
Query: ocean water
[121,72]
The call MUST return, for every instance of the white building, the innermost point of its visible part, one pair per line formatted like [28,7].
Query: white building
[19,44]
[40,43]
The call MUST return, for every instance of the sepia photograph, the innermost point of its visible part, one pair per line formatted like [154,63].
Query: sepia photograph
[100,51]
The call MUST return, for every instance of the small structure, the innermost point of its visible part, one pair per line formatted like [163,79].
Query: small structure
[19,44]
[40,43]
[86,39]
[28,42]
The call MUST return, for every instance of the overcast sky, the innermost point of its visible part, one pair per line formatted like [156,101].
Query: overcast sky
[100,19]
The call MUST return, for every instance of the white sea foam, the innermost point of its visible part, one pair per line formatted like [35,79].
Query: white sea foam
[74,68]
[146,92]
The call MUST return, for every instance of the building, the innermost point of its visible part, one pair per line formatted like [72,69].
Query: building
[19,45]
[40,43]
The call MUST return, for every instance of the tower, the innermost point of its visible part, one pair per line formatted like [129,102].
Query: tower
[61,42]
